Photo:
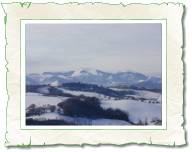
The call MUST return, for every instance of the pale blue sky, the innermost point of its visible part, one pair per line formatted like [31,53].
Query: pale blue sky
[109,47]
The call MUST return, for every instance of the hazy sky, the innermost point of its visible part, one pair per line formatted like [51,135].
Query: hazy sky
[109,47]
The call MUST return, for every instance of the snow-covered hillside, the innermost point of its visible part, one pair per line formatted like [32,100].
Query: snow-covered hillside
[40,100]
[138,111]
[144,109]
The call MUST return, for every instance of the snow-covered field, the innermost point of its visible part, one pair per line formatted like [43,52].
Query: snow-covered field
[78,93]
[40,100]
[138,112]
[142,93]
[45,90]
[149,94]
[79,120]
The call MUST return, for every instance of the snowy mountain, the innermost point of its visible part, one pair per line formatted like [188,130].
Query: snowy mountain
[98,77]
[93,97]
[149,83]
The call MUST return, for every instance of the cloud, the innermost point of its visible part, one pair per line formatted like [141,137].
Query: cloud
[114,47]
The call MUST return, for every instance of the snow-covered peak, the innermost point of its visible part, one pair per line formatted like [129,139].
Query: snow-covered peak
[84,71]
[76,72]
[55,84]
[89,70]
[94,76]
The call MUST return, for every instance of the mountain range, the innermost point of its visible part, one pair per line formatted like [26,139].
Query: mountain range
[130,79]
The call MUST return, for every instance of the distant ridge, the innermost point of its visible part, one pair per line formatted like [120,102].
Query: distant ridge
[98,77]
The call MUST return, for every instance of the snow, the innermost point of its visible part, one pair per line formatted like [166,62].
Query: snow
[62,76]
[118,89]
[40,100]
[79,72]
[48,116]
[159,99]
[137,111]
[76,73]
[141,81]
[149,94]
[78,93]
[89,70]
[43,90]
[92,71]
[78,120]
[55,84]
[109,122]
[47,75]
[142,93]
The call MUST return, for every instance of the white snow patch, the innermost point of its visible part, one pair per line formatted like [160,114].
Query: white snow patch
[90,70]
[148,94]
[137,111]
[141,81]
[78,93]
[109,122]
[159,99]
[55,84]
[47,75]
[76,73]
[62,76]
[78,120]
[118,89]
[43,90]
[47,116]
[40,100]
